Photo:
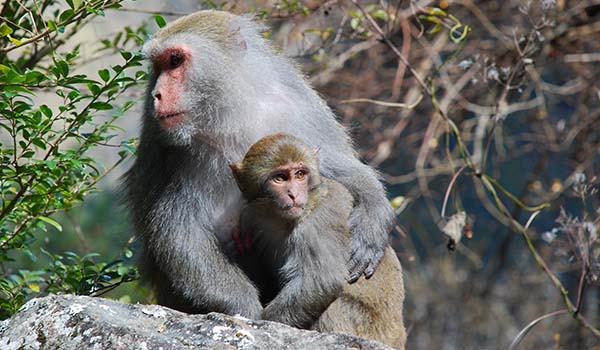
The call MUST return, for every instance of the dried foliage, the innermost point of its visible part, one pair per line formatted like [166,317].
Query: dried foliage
[484,108]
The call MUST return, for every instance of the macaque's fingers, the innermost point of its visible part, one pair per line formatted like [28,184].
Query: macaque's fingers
[357,266]
[364,260]
[369,238]
[370,270]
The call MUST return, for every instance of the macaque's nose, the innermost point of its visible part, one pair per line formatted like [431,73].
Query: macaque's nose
[291,195]
[157,96]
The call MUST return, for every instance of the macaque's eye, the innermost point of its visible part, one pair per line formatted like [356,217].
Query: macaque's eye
[300,174]
[279,178]
[176,59]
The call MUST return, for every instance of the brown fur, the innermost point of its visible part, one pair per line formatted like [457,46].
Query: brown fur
[299,266]
[371,308]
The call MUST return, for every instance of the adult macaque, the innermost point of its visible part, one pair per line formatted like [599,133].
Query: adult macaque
[215,88]
[301,238]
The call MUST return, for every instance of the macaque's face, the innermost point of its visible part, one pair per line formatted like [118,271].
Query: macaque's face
[288,188]
[171,67]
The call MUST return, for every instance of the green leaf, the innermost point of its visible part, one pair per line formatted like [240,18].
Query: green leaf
[51,222]
[122,270]
[39,142]
[104,74]
[5,30]
[4,69]
[17,88]
[52,26]
[381,14]
[97,12]
[34,287]
[63,67]
[29,254]
[437,11]
[101,106]
[354,14]
[28,154]
[160,21]
[66,15]
[73,95]
[126,54]
[94,88]
[11,76]
[51,164]
[15,41]
[35,77]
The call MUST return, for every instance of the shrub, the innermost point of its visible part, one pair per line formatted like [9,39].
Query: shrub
[45,148]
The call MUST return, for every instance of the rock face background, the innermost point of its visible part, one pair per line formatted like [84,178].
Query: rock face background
[81,323]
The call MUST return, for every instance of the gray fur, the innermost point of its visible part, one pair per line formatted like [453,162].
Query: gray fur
[183,198]
[308,258]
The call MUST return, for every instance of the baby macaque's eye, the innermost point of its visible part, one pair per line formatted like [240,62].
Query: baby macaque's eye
[279,178]
[300,174]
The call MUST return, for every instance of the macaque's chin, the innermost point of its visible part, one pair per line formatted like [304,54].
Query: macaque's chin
[177,129]
[293,213]
[170,121]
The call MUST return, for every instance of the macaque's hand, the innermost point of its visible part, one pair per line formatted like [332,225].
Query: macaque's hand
[364,259]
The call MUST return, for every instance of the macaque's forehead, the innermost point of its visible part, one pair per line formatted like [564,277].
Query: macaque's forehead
[206,23]
[293,154]
[211,25]
[293,166]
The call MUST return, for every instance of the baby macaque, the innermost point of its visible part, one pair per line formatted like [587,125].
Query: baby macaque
[298,222]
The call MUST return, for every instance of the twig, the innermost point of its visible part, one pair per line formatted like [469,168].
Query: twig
[153,12]
[532,324]
[80,14]
[385,103]
[385,39]
[406,41]
[450,185]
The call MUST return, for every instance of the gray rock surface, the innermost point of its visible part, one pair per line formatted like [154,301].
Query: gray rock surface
[77,322]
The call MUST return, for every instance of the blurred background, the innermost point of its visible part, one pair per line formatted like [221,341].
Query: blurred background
[482,118]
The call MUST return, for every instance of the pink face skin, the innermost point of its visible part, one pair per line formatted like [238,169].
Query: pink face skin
[288,187]
[171,67]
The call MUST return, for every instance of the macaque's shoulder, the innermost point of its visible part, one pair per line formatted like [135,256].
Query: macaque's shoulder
[336,196]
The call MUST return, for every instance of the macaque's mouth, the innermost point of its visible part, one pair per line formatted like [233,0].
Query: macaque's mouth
[293,207]
[171,120]
[293,210]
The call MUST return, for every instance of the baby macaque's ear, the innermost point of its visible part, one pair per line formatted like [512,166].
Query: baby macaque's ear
[235,169]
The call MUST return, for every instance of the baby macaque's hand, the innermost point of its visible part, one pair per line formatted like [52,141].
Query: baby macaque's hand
[243,241]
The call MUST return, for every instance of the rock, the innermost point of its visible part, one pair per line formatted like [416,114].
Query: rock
[81,323]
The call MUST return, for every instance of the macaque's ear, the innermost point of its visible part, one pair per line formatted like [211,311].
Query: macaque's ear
[236,35]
